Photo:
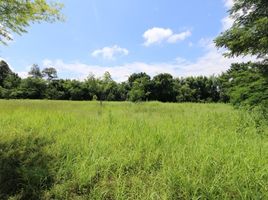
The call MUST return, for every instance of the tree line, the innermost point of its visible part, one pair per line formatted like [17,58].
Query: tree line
[45,84]
[230,86]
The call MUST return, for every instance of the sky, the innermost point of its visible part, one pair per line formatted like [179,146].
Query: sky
[125,37]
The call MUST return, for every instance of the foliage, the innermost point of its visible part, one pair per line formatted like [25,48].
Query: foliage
[4,71]
[16,15]
[163,88]
[32,88]
[139,87]
[25,168]
[249,33]
[50,73]
[247,83]
[35,71]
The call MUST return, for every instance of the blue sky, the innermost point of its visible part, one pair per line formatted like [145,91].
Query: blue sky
[126,36]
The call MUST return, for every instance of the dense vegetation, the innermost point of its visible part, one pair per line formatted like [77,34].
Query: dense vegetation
[243,85]
[85,150]
[248,36]
[139,87]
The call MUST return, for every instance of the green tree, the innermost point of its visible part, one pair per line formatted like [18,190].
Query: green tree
[247,83]
[32,88]
[133,77]
[50,73]
[16,15]
[35,72]
[140,90]
[249,33]
[183,91]
[76,90]
[4,71]
[56,90]
[163,88]
[91,84]
[108,88]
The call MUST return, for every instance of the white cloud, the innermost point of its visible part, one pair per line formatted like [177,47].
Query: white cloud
[110,53]
[157,35]
[23,74]
[178,37]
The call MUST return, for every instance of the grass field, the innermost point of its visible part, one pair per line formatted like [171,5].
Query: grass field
[81,150]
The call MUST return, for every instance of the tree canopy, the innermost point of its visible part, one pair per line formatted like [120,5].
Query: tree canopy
[4,71]
[249,33]
[246,84]
[45,84]
[16,15]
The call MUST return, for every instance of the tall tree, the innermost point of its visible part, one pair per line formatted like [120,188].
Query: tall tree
[32,88]
[50,73]
[35,72]
[16,15]
[141,89]
[245,84]
[247,36]
[4,71]
[163,88]
[133,77]
[249,33]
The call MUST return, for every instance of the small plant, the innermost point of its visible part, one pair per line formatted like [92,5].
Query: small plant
[95,98]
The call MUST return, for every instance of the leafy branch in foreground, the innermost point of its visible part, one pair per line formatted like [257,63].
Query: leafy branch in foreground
[16,15]
[249,33]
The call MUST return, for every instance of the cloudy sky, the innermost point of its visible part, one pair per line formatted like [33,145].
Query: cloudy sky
[126,36]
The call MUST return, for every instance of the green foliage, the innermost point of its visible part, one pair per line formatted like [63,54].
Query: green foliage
[141,87]
[56,90]
[25,168]
[4,71]
[16,15]
[35,72]
[249,34]
[137,93]
[32,88]
[245,84]
[133,77]
[81,150]
[11,81]
[197,89]
[163,88]
[76,90]
[50,73]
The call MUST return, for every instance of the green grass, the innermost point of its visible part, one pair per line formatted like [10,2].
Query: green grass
[81,150]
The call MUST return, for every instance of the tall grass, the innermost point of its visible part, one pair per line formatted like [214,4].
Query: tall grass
[81,150]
